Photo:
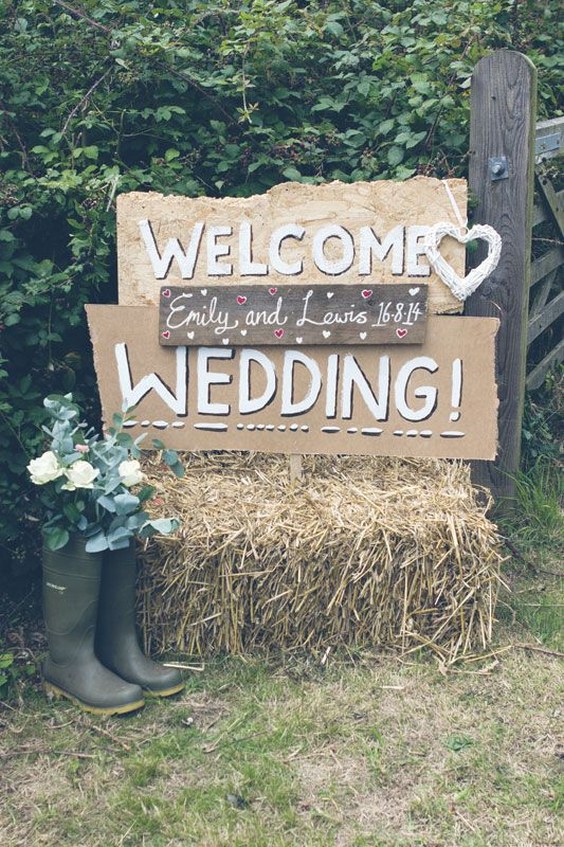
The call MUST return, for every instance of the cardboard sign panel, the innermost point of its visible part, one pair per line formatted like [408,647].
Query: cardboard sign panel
[365,233]
[439,399]
[296,314]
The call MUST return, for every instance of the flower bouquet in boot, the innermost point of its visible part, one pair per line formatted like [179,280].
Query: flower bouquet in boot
[94,498]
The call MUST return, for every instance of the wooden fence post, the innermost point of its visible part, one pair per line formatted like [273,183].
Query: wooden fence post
[501,178]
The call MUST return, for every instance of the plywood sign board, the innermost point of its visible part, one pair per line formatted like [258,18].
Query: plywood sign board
[296,314]
[438,399]
[362,233]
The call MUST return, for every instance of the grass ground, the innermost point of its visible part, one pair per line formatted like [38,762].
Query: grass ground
[373,753]
[364,750]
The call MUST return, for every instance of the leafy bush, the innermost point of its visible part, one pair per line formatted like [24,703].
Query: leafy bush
[101,97]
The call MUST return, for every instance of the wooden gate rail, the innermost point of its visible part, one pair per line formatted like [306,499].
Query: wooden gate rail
[546,294]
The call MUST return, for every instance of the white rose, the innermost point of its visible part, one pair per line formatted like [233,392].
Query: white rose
[44,469]
[130,472]
[81,474]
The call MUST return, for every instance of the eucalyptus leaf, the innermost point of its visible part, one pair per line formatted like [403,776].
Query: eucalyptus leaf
[97,543]
[118,538]
[170,457]
[164,526]
[135,522]
[178,469]
[126,503]
[107,503]
[56,537]
[146,493]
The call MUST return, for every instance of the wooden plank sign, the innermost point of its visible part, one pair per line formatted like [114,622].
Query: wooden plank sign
[436,399]
[364,233]
[243,315]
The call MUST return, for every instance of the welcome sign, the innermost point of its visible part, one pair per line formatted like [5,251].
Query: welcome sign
[363,233]
[301,321]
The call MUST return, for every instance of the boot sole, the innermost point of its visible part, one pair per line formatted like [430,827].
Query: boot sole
[166,692]
[87,707]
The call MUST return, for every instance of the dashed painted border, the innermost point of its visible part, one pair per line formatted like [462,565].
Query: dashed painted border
[368,431]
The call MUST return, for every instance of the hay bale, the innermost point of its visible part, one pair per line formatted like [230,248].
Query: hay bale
[359,552]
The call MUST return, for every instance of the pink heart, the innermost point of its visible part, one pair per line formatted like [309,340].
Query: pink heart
[166,292]
[279,333]
[401,332]
[165,334]
[367,293]
[241,300]
[273,291]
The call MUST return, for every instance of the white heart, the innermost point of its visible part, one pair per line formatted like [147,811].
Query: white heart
[190,334]
[330,294]
[243,332]
[203,291]
[414,291]
[326,333]
[462,288]
[362,335]
[299,340]
[225,341]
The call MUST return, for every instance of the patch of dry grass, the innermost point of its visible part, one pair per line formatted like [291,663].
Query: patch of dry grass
[379,751]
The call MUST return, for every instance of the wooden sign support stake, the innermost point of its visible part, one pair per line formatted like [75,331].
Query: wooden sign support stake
[296,467]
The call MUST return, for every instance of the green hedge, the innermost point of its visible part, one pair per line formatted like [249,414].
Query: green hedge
[198,97]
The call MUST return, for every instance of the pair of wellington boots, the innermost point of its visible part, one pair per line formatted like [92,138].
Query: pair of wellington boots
[94,656]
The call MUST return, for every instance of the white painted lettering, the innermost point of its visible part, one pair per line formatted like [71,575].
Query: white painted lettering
[276,239]
[247,403]
[354,376]
[289,405]
[173,250]
[332,381]
[207,379]
[427,393]
[415,250]
[133,394]
[371,246]
[247,267]
[334,267]
[216,250]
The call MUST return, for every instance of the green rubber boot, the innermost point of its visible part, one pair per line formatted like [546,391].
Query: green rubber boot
[116,636]
[71,586]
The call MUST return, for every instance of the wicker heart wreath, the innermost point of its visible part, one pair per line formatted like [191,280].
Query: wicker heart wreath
[462,287]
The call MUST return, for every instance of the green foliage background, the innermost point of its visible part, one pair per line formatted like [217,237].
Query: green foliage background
[198,97]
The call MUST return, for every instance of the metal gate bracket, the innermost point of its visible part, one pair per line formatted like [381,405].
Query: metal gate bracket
[498,168]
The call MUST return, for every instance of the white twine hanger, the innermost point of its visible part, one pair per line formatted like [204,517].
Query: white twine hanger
[461,287]
[462,222]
